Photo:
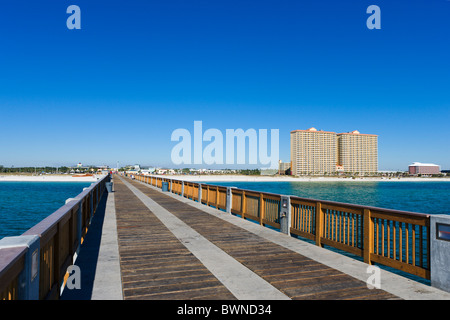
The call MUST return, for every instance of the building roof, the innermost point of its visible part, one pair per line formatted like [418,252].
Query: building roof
[312,129]
[354,132]
[358,133]
[419,164]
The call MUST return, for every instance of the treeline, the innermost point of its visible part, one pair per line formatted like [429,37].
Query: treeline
[33,169]
[46,169]
[250,172]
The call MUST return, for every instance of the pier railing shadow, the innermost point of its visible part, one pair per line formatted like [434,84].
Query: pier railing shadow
[87,258]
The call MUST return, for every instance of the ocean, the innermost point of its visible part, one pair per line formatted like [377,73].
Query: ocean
[423,197]
[24,204]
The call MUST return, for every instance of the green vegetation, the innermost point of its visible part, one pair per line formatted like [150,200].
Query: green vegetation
[250,172]
[47,170]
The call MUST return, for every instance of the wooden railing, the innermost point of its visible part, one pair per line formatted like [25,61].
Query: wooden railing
[258,206]
[397,239]
[393,238]
[60,236]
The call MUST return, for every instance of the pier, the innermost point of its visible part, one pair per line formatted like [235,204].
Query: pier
[156,238]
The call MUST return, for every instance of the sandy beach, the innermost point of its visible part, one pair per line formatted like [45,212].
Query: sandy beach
[49,178]
[232,178]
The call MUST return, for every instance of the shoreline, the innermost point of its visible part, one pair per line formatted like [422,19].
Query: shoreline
[48,178]
[242,178]
[223,178]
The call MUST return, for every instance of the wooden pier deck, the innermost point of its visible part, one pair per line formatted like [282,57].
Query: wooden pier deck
[156,264]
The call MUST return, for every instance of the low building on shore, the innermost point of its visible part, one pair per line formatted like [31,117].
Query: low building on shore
[424,168]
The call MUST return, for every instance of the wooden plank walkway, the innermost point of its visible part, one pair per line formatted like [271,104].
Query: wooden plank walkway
[156,265]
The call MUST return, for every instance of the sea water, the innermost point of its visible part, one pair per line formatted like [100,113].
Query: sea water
[24,204]
[423,197]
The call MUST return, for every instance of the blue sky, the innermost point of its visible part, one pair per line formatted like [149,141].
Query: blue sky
[137,70]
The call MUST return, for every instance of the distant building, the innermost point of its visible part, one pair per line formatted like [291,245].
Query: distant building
[313,151]
[321,152]
[358,152]
[424,168]
[283,167]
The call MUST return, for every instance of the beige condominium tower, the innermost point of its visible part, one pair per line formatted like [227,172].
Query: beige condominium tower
[357,152]
[322,152]
[313,152]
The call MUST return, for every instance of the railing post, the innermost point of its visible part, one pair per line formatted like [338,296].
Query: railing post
[217,198]
[200,193]
[182,188]
[368,236]
[319,223]
[91,206]
[229,199]
[439,247]
[285,215]
[79,227]
[79,223]
[244,204]
[28,280]
[97,192]
[261,208]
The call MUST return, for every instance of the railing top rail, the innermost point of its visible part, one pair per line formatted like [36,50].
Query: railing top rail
[8,257]
[256,191]
[362,207]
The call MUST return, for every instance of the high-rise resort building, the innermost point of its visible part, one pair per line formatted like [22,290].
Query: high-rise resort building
[357,152]
[313,152]
[322,152]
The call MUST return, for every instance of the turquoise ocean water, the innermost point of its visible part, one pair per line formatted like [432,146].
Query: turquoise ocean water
[424,197]
[24,204]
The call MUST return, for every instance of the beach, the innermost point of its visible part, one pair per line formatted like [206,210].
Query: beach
[49,178]
[249,178]
[230,178]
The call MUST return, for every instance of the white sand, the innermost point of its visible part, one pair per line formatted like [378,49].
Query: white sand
[244,178]
[49,178]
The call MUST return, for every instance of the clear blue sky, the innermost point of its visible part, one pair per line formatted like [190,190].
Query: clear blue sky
[137,70]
